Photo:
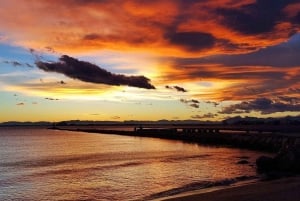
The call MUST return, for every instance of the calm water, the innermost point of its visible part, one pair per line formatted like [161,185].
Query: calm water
[41,164]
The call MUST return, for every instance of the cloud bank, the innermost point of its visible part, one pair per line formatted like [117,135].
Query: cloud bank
[262,105]
[181,26]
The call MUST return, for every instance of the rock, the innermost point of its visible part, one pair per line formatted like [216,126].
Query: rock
[288,159]
[243,162]
[265,164]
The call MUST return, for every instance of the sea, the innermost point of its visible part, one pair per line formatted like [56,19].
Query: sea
[44,164]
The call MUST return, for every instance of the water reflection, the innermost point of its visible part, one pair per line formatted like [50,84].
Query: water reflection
[40,164]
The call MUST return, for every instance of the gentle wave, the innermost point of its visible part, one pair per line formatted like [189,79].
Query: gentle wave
[180,158]
[198,186]
[92,158]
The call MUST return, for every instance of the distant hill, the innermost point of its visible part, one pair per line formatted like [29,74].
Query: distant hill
[238,120]
[27,123]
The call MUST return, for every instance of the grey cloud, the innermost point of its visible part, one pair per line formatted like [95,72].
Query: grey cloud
[262,105]
[178,88]
[14,63]
[62,82]
[17,64]
[195,101]
[213,103]
[258,17]
[29,65]
[282,55]
[52,99]
[191,41]
[205,116]
[192,103]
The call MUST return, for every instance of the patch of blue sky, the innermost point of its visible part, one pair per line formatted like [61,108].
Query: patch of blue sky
[15,53]
[13,58]
[106,63]
[118,62]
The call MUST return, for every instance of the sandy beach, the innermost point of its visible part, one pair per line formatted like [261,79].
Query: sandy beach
[286,189]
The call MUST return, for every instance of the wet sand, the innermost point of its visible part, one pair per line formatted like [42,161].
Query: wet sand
[287,189]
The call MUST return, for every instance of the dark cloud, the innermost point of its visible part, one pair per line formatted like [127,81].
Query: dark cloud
[191,41]
[92,36]
[272,69]
[213,103]
[189,101]
[20,104]
[192,103]
[178,88]
[296,19]
[205,116]
[262,105]
[18,64]
[195,101]
[92,73]
[14,63]
[62,82]
[83,2]
[52,99]
[184,101]
[289,100]
[29,65]
[256,18]
[282,55]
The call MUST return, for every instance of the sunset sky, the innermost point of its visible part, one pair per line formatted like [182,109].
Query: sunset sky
[148,60]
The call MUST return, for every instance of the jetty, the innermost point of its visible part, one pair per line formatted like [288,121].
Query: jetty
[256,137]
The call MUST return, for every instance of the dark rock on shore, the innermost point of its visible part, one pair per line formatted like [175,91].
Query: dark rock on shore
[265,164]
[242,162]
[287,161]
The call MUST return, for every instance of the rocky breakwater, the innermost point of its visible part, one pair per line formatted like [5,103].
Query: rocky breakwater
[267,142]
[286,161]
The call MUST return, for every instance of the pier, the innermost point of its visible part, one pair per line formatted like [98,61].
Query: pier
[257,137]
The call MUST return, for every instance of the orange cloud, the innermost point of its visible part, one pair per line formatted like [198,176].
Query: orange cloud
[163,27]
[292,10]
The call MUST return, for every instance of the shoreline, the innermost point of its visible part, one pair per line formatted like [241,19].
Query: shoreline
[287,189]
[203,187]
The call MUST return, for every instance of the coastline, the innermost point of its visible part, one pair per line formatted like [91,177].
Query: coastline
[287,189]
